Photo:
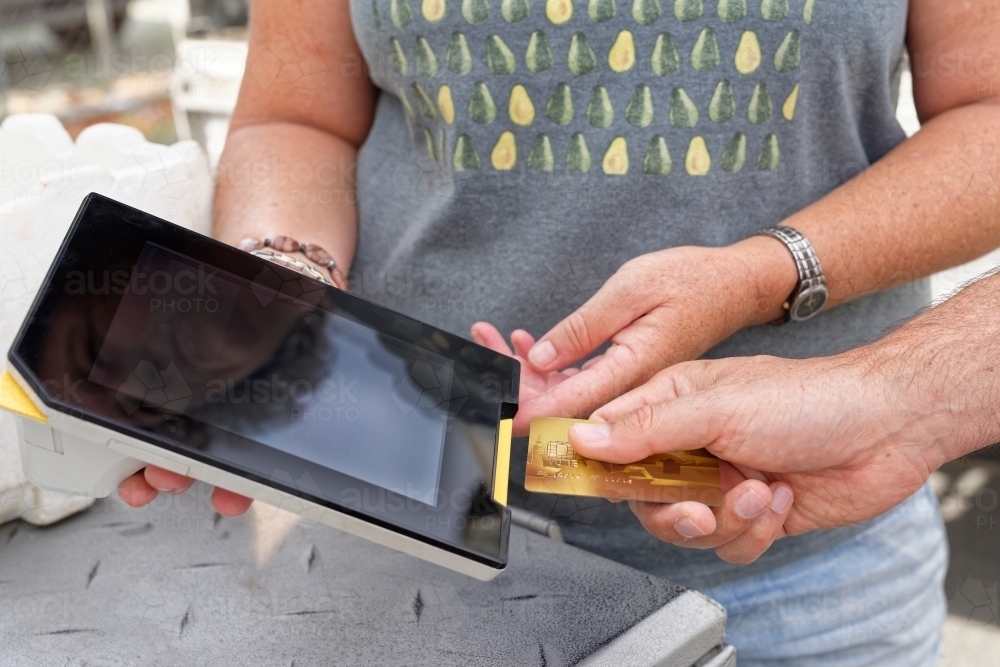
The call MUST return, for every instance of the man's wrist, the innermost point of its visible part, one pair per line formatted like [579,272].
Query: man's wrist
[942,377]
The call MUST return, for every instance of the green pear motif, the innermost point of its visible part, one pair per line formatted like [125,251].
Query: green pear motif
[427,64]
[540,158]
[400,13]
[429,145]
[646,11]
[538,57]
[688,10]
[735,154]
[601,10]
[406,105]
[807,11]
[774,10]
[578,155]
[442,150]
[581,57]
[759,109]
[657,160]
[639,111]
[458,58]
[731,11]
[559,108]
[683,112]
[499,58]
[466,158]
[723,104]
[377,14]
[665,58]
[514,10]
[475,11]
[397,59]
[482,108]
[705,54]
[424,102]
[600,113]
[786,58]
[769,155]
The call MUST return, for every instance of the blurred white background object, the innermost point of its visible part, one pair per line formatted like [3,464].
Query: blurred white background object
[44,176]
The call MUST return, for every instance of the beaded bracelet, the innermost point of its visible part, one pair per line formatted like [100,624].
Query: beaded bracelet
[314,253]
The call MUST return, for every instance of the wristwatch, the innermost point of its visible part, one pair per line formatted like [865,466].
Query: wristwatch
[811,293]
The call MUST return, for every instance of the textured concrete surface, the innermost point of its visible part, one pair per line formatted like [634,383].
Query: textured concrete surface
[175,584]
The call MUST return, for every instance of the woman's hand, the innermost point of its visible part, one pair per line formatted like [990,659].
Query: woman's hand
[833,434]
[657,310]
[141,488]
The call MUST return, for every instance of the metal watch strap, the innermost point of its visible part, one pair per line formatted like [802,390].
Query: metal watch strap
[811,274]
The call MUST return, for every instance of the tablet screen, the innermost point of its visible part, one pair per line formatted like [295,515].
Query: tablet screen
[189,339]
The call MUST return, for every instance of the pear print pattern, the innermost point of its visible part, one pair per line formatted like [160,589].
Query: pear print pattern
[559,108]
[458,58]
[665,59]
[538,57]
[657,160]
[601,10]
[540,158]
[442,115]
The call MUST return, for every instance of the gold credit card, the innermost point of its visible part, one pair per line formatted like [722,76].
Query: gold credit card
[553,467]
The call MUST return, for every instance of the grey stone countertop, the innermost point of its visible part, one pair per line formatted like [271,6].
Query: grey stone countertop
[176,584]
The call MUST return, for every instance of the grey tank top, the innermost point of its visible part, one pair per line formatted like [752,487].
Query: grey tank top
[523,150]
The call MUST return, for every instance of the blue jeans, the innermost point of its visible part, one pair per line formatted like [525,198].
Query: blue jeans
[876,599]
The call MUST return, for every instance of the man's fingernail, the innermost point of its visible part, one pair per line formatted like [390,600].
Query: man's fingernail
[592,432]
[750,505]
[476,338]
[686,527]
[542,354]
[781,499]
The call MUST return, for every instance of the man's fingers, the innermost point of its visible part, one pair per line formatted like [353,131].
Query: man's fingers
[686,523]
[228,503]
[135,491]
[166,481]
[684,423]
[487,335]
[764,530]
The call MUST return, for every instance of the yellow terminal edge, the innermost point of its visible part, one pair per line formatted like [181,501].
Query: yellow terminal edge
[16,400]
[501,475]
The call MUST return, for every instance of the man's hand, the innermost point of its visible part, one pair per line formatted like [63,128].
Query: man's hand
[837,434]
[657,310]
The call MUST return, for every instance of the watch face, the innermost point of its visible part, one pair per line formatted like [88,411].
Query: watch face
[809,302]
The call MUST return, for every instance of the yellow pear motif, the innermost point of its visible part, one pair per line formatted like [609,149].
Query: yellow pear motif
[558,11]
[433,10]
[698,161]
[621,57]
[748,53]
[521,110]
[445,104]
[504,155]
[616,158]
[788,108]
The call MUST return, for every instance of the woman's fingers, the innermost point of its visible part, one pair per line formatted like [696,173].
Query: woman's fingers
[228,503]
[522,341]
[688,523]
[487,335]
[136,492]
[758,537]
[166,481]
[141,488]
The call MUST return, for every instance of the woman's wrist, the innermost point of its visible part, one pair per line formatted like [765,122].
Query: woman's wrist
[767,274]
